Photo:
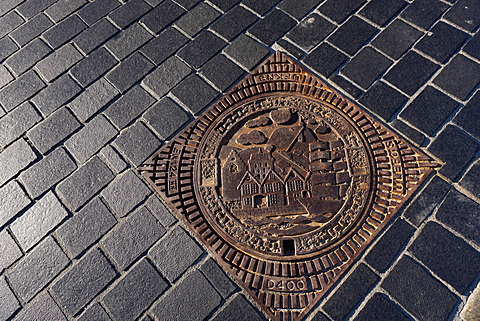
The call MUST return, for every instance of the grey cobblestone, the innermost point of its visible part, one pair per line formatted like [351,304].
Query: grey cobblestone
[201,49]
[160,17]
[218,278]
[160,211]
[232,309]
[95,35]
[86,227]
[233,22]
[52,130]
[90,139]
[198,18]
[424,13]
[246,51]
[7,47]
[95,312]
[166,117]
[14,199]
[113,159]
[311,31]
[465,13]
[92,67]
[85,182]
[298,8]
[339,10]
[84,281]
[19,90]
[47,172]
[471,180]
[272,27]
[58,62]
[96,10]
[44,308]
[38,221]
[15,158]
[132,238]
[63,8]
[352,35]
[129,12]
[221,71]
[10,251]
[381,11]
[9,22]
[195,93]
[164,45]
[64,31]
[128,41]
[8,5]
[10,303]
[5,76]
[129,71]
[118,194]
[26,57]
[37,269]
[31,29]
[17,122]
[260,6]
[30,8]
[395,40]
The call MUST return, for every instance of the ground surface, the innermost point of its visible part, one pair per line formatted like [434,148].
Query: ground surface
[89,89]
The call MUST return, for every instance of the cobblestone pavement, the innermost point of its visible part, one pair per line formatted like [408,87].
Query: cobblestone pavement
[90,89]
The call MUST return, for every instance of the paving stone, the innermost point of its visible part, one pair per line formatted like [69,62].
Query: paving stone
[132,238]
[352,35]
[311,31]
[86,227]
[37,269]
[7,47]
[465,13]
[59,62]
[163,46]
[222,283]
[9,22]
[129,106]
[53,130]
[423,206]
[379,308]
[319,316]
[391,243]
[290,48]
[17,122]
[419,112]
[446,255]
[197,19]
[165,77]
[260,6]
[137,143]
[188,4]
[182,303]
[221,71]
[128,41]
[397,38]
[113,159]
[175,253]
[418,292]
[96,10]
[204,47]
[424,13]
[10,303]
[408,131]
[272,27]
[350,292]
[31,29]
[64,31]
[63,8]
[10,251]
[346,85]
[381,11]
[471,180]
[195,93]
[298,8]
[44,308]
[94,98]
[366,67]
[454,148]
[461,213]
[225,5]
[47,172]
[20,90]
[163,15]
[472,47]
[91,138]
[14,199]
[56,94]
[383,100]
[92,67]
[30,8]
[246,51]
[95,35]
[459,77]
[7,5]
[85,182]
[233,308]
[410,73]
[129,12]
[26,57]
[119,194]
[129,71]
[15,158]
[325,59]
[442,42]
[95,312]
[340,10]
[160,211]
[135,292]
[83,281]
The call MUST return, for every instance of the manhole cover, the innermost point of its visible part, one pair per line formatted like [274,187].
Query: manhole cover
[286,182]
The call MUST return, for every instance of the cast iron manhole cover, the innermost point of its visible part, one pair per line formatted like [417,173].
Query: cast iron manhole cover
[286,182]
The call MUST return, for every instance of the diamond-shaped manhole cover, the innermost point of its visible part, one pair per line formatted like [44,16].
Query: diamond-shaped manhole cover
[285,182]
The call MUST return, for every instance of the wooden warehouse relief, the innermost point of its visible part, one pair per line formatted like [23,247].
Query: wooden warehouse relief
[285,182]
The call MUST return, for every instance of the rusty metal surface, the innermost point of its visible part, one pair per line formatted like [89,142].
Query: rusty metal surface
[286,182]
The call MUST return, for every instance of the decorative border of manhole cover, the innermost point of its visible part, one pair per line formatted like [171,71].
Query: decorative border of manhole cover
[285,182]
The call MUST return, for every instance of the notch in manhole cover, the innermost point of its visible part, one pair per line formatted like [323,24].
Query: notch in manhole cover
[285,182]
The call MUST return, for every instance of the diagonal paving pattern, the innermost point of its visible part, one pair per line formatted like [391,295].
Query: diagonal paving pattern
[89,89]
